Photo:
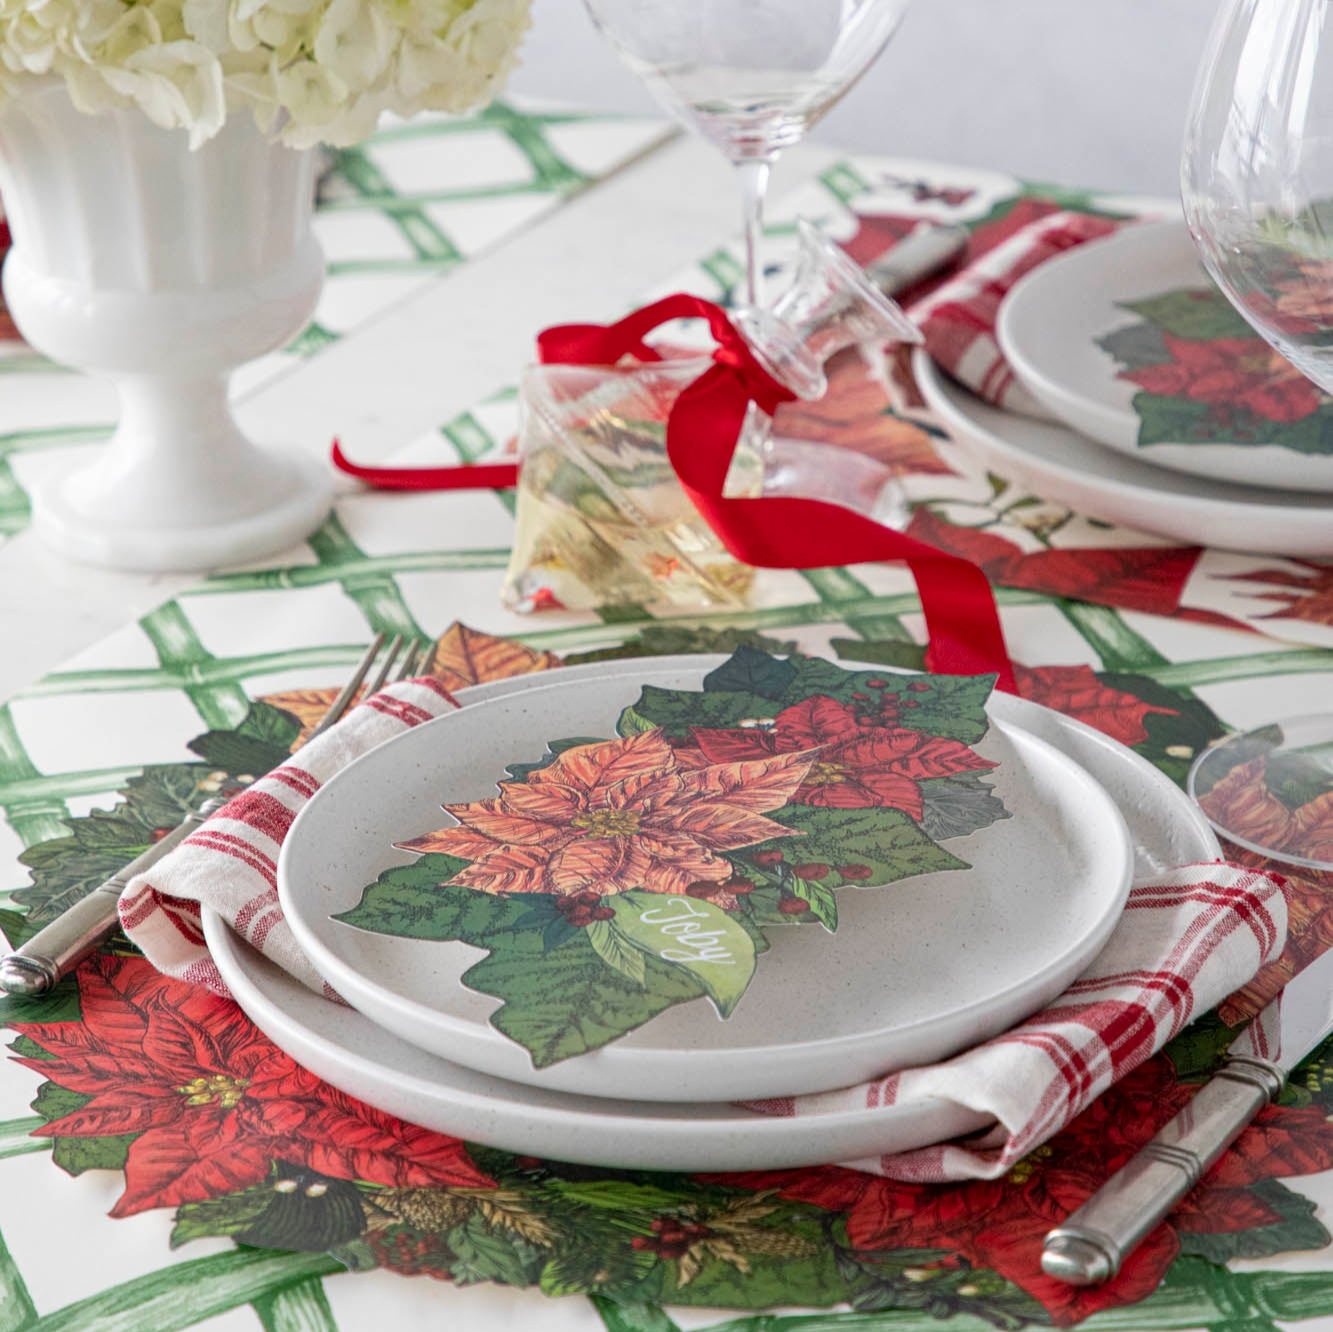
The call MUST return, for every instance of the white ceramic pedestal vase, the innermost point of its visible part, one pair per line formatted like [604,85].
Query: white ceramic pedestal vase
[164,269]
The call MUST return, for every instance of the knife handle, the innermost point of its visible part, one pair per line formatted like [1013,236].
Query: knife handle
[58,948]
[1090,1247]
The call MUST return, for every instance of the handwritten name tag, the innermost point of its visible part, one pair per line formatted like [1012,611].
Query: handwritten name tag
[679,920]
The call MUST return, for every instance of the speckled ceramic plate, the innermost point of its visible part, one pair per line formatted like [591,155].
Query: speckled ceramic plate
[917,970]
[1140,304]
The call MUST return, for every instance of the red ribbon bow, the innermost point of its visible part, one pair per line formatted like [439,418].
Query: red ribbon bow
[771,532]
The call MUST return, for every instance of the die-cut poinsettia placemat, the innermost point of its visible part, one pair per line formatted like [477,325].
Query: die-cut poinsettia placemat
[619,877]
[1204,377]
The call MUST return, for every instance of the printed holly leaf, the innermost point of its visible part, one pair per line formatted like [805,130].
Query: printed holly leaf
[1136,346]
[1297,1228]
[814,675]
[483,1254]
[752,672]
[75,1155]
[567,1002]
[951,706]
[692,934]
[262,742]
[1198,1050]
[957,806]
[884,842]
[822,900]
[1164,420]
[665,640]
[892,652]
[466,656]
[617,951]
[66,869]
[413,902]
[1201,314]
[677,710]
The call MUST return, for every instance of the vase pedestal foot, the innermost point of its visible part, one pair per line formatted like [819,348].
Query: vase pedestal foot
[81,517]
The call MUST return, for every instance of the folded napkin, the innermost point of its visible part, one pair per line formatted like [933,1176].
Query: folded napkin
[1186,941]
[958,318]
[230,864]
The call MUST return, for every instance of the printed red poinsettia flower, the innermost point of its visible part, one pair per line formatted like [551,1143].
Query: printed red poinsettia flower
[211,1102]
[1309,895]
[1242,803]
[1149,578]
[1309,596]
[1000,1224]
[865,758]
[1077,692]
[856,414]
[1231,372]
[617,815]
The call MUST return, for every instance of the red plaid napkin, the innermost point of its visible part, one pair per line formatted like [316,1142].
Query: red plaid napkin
[1186,941]
[958,318]
[231,863]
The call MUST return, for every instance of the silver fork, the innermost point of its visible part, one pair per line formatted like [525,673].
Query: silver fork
[58,947]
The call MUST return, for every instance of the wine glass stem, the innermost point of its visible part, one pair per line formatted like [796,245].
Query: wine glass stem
[753,174]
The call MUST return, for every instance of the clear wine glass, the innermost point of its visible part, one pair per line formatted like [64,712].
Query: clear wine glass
[751,76]
[1257,184]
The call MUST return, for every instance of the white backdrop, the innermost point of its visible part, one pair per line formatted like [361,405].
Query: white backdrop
[1088,92]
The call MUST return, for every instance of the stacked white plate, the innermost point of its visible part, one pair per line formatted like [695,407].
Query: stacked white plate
[911,977]
[1224,492]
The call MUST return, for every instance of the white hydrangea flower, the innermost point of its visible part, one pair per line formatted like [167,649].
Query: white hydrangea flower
[307,70]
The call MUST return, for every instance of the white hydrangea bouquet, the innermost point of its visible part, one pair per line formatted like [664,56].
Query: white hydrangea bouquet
[310,71]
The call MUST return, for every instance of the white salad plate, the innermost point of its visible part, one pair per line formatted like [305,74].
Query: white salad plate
[352,1053]
[1056,463]
[916,971]
[1050,326]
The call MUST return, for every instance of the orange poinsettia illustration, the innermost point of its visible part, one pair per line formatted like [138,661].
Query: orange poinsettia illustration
[1243,803]
[616,815]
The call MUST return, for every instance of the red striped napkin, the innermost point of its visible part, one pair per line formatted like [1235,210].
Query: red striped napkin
[230,864]
[1184,942]
[1187,940]
[958,318]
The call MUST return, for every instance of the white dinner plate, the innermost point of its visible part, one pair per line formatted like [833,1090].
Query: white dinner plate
[1059,465]
[916,971]
[1049,328]
[350,1052]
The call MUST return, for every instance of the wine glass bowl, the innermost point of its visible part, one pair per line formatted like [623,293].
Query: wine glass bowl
[1257,186]
[1257,173]
[750,76]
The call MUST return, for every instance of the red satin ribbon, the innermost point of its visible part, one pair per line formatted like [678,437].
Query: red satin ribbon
[773,532]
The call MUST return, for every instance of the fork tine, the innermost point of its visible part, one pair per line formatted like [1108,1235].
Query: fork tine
[409,667]
[391,656]
[348,691]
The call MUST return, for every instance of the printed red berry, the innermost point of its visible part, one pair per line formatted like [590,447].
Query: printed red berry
[814,869]
[767,858]
[603,913]
[918,686]
[739,887]
[587,897]
[861,698]
[855,872]
[641,1242]
[877,683]
[703,888]
[159,833]
[793,906]
[910,703]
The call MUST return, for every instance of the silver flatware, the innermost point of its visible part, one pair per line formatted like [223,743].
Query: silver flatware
[59,946]
[1091,1246]
[919,255]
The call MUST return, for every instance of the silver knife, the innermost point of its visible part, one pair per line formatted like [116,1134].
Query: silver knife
[920,254]
[1090,1247]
